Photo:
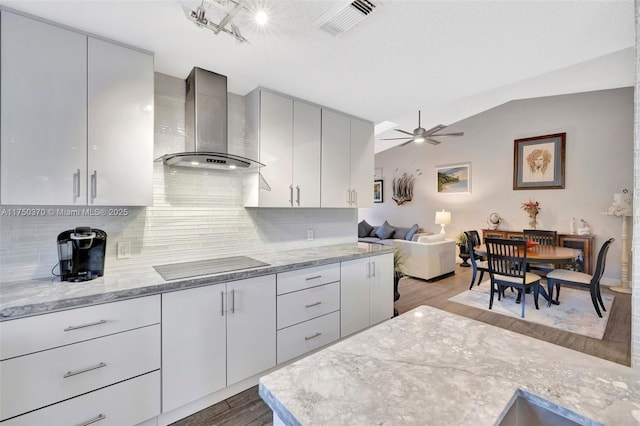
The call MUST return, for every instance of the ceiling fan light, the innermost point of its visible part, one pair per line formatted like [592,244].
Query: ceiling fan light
[418,139]
[261,18]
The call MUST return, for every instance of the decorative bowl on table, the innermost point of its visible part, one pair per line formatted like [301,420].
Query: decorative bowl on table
[531,244]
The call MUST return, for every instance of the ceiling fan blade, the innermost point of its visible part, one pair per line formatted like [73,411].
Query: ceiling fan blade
[435,129]
[407,142]
[403,131]
[433,141]
[450,134]
[393,139]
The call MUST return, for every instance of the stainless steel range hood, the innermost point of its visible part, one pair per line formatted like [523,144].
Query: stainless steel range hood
[206,126]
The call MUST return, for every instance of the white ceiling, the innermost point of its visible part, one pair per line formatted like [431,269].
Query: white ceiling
[451,59]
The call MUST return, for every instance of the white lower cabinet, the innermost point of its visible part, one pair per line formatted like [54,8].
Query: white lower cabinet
[366,292]
[127,403]
[308,336]
[74,370]
[215,336]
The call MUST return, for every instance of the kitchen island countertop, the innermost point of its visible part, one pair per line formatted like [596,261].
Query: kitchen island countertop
[431,367]
[31,297]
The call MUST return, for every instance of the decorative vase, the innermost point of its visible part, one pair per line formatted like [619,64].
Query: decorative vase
[532,221]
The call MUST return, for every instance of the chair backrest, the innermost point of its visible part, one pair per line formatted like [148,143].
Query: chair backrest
[472,240]
[544,238]
[601,262]
[506,257]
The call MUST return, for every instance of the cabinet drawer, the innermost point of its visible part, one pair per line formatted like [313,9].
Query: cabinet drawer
[308,277]
[307,304]
[33,381]
[127,403]
[27,335]
[307,336]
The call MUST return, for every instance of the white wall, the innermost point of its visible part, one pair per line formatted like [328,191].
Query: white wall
[196,214]
[599,162]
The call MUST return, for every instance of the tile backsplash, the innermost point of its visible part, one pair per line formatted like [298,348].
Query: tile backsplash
[196,214]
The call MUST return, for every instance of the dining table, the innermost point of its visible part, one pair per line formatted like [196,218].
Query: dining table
[539,253]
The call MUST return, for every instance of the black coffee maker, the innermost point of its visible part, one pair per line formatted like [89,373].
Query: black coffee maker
[81,253]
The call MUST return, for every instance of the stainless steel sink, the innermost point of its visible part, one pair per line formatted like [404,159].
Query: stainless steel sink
[527,409]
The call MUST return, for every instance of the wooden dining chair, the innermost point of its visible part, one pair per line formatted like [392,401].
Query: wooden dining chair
[543,238]
[473,239]
[507,261]
[564,276]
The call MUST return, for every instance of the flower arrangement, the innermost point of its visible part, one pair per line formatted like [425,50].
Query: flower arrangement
[531,207]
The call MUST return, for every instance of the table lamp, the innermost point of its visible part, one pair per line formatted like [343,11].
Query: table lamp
[622,206]
[443,218]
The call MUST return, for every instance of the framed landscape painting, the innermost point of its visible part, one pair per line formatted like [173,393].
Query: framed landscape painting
[377,191]
[538,162]
[454,178]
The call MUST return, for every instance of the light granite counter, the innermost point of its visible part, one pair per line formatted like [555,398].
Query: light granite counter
[32,297]
[431,367]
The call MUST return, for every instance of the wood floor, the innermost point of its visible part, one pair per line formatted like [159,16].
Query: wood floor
[247,408]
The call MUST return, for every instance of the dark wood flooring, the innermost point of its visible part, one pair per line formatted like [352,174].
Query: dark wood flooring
[248,409]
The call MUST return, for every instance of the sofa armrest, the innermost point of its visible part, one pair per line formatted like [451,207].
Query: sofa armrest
[427,260]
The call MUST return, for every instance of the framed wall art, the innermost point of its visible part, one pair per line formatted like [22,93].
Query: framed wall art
[454,178]
[538,162]
[378,195]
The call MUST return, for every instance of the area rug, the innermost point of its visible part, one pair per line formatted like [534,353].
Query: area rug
[574,314]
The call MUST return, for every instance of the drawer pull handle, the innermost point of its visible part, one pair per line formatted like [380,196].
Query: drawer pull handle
[312,305]
[313,337]
[313,278]
[84,370]
[75,327]
[93,420]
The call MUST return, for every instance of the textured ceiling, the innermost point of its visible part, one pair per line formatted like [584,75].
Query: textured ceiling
[450,59]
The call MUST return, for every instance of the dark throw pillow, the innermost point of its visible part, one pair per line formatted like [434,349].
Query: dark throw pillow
[411,233]
[385,231]
[364,229]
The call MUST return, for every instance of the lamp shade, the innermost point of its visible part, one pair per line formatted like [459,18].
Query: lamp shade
[443,218]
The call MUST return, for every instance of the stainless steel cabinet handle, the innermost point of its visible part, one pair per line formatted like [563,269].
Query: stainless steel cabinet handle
[313,278]
[93,420]
[222,303]
[313,304]
[76,184]
[291,195]
[368,269]
[373,274]
[84,370]
[94,185]
[91,324]
[355,197]
[348,196]
[313,337]
[233,301]
[298,195]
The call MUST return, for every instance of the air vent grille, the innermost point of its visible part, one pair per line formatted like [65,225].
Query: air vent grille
[345,16]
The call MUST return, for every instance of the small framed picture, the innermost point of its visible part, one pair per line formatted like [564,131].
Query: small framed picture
[538,162]
[377,191]
[454,178]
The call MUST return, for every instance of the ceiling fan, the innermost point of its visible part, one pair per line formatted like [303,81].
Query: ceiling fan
[420,135]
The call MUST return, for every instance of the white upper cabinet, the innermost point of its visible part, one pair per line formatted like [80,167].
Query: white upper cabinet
[336,187]
[76,118]
[288,135]
[347,161]
[120,131]
[43,150]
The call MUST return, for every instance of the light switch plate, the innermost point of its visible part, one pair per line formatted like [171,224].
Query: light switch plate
[309,234]
[124,250]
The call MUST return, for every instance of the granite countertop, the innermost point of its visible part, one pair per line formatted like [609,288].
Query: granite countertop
[431,367]
[32,297]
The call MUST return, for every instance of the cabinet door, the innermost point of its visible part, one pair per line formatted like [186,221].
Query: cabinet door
[251,327]
[43,113]
[354,296]
[193,345]
[381,289]
[306,154]
[276,139]
[336,163]
[120,131]
[362,162]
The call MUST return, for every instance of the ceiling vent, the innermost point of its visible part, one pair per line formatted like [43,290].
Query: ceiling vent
[345,16]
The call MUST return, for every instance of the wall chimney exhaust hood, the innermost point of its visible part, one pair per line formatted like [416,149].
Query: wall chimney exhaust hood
[206,126]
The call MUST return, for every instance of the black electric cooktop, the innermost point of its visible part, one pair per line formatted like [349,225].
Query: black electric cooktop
[174,271]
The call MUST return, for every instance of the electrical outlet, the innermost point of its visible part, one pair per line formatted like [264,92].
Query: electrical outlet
[124,250]
[309,234]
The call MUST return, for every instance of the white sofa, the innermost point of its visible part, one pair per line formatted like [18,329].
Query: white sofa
[427,259]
